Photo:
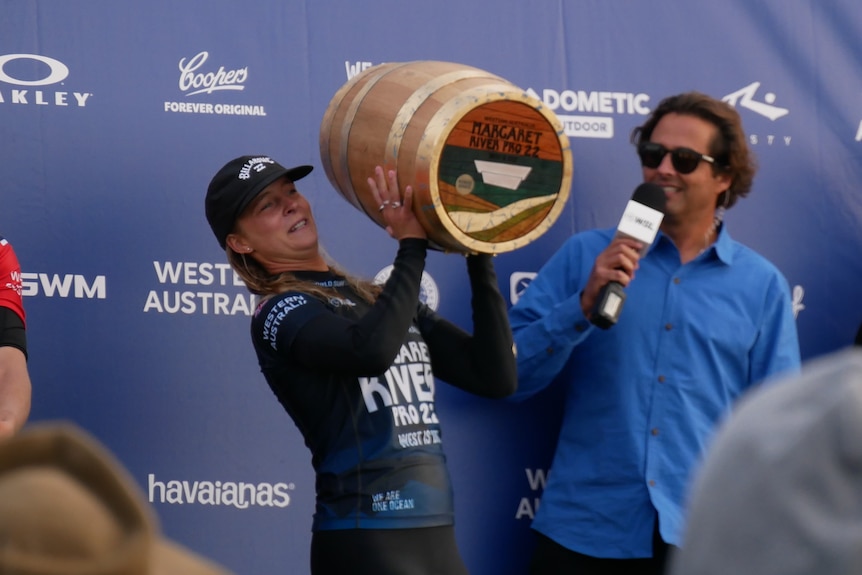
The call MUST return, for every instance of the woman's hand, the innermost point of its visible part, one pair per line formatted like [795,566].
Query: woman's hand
[396,211]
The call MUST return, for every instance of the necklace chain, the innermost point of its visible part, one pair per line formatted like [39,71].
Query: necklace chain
[707,237]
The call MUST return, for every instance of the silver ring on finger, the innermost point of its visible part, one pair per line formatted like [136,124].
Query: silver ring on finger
[395,205]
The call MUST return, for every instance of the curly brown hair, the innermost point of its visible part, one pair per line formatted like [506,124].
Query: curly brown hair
[729,147]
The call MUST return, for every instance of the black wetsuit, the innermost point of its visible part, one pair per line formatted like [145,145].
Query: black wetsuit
[358,381]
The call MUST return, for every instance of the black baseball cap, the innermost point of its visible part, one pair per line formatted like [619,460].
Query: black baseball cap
[237,184]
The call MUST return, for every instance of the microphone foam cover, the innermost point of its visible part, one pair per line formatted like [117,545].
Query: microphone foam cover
[651,195]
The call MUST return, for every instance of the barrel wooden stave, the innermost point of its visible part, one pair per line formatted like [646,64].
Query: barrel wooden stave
[403,116]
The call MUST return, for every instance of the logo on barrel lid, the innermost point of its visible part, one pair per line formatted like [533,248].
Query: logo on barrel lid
[502,172]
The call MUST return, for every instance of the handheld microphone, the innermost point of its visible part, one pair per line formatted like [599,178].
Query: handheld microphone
[641,220]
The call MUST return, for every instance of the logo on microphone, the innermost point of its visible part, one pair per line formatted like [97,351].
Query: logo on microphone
[640,222]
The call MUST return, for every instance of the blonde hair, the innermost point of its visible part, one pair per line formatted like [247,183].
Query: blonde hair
[260,282]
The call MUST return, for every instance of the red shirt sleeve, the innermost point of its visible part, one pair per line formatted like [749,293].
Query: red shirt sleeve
[10,279]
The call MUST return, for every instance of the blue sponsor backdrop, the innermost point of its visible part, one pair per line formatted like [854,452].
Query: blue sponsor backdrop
[110,130]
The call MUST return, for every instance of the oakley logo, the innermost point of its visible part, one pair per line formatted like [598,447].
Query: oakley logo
[744,98]
[33,68]
[57,71]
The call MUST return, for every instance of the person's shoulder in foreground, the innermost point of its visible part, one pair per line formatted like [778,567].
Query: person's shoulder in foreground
[68,506]
[780,492]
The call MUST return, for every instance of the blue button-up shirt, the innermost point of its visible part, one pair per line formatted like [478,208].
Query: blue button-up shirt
[643,397]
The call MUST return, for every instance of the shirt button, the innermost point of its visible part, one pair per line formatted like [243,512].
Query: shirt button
[676,280]
[654,431]
[668,326]
[550,351]
[661,379]
[652,483]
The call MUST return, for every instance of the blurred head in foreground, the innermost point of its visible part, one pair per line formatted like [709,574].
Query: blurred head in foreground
[780,492]
[68,507]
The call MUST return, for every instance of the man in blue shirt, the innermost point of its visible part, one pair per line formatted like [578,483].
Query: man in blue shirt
[705,319]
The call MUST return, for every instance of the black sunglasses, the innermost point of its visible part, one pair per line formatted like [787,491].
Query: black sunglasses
[684,160]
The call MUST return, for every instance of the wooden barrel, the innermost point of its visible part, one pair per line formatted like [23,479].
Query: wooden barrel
[490,165]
